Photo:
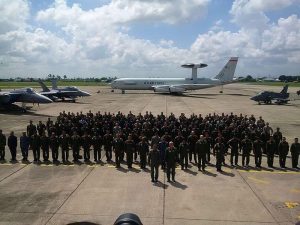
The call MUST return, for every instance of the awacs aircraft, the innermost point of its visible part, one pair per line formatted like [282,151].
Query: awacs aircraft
[24,95]
[178,85]
[268,96]
[62,93]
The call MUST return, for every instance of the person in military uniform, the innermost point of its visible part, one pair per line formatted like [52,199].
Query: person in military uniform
[12,142]
[219,151]
[144,150]
[295,152]
[162,147]
[154,159]
[54,145]
[2,145]
[45,147]
[277,138]
[35,144]
[201,148]
[24,145]
[97,145]
[75,144]
[40,128]
[257,150]
[118,147]
[171,161]
[86,144]
[31,129]
[107,142]
[192,139]
[233,143]
[129,149]
[270,148]
[183,154]
[283,150]
[246,147]
[64,141]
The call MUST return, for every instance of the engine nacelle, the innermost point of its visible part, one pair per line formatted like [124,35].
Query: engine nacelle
[164,89]
[176,90]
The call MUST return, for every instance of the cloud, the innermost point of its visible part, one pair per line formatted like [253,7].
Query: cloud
[13,15]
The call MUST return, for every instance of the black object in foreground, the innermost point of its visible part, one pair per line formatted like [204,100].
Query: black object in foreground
[128,219]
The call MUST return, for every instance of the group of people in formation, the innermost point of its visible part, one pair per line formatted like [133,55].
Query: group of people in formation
[156,140]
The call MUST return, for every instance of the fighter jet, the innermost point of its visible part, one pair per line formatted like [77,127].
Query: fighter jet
[62,93]
[24,95]
[268,96]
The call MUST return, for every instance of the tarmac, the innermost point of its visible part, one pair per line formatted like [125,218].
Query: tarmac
[99,193]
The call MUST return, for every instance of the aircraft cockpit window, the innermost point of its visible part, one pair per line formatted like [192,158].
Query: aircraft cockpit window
[30,90]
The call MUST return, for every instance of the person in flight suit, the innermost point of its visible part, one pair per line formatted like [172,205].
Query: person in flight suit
[219,151]
[270,148]
[12,142]
[233,143]
[64,141]
[31,129]
[75,144]
[97,145]
[295,152]
[45,146]
[24,145]
[171,161]
[246,147]
[107,142]
[162,146]
[201,148]
[129,149]
[283,150]
[35,144]
[192,139]
[2,145]
[86,144]
[154,159]
[118,147]
[183,153]
[257,150]
[277,138]
[54,145]
[144,150]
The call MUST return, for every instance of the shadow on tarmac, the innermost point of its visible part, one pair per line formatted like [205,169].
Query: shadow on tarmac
[179,185]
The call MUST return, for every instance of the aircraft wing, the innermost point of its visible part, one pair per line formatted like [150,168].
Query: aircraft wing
[180,88]
[281,100]
[6,97]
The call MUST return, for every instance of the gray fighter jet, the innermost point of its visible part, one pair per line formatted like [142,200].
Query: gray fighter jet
[268,96]
[24,95]
[62,93]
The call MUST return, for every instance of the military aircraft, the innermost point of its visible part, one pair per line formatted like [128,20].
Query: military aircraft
[62,93]
[268,96]
[179,85]
[24,95]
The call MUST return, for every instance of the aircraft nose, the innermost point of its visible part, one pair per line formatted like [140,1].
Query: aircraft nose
[43,99]
[84,93]
[253,98]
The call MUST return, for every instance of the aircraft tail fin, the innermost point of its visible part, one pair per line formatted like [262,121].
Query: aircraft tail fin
[54,83]
[227,73]
[285,89]
[43,86]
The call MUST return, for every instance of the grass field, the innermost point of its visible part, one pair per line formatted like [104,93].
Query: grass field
[268,83]
[11,85]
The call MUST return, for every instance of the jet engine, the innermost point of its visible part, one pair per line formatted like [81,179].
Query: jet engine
[176,89]
[163,89]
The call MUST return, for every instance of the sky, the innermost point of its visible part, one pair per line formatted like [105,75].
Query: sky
[148,38]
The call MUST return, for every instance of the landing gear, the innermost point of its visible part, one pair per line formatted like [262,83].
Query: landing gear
[123,91]
[221,91]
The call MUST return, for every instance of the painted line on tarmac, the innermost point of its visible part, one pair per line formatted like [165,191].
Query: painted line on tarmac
[258,180]
[270,172]
[295,190]
[291,205]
